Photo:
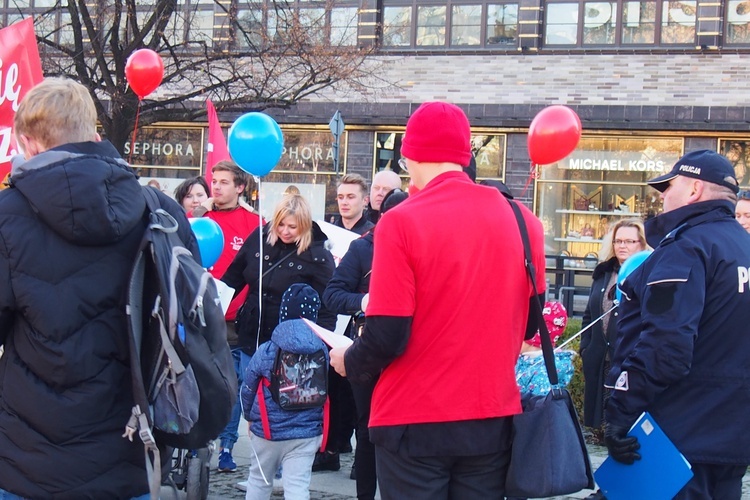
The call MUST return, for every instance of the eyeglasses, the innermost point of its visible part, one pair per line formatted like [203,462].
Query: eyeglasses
[402,164]
[743,195]
[618,243]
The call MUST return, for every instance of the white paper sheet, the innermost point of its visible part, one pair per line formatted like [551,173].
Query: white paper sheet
[327,336]
[225,294]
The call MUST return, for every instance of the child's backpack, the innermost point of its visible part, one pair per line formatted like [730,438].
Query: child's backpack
[184,382]
[299,381]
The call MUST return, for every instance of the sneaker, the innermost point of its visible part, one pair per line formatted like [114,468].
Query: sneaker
[326,461]
[226,462]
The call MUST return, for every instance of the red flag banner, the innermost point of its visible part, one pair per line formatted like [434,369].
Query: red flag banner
[217,143]
[20,69]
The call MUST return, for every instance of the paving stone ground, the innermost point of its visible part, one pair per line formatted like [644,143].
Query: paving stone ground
[337,485]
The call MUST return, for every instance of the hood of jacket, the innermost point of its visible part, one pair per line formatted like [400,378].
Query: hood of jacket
[72,190]
[295,336]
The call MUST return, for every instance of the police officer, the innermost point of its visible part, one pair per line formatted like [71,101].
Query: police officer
[684,348]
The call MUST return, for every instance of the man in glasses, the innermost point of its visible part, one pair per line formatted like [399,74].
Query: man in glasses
[683,343]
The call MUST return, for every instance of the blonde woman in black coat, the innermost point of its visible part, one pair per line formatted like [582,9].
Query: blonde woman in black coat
[597,343]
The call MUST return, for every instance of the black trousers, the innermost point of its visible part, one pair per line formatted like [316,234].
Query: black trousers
[714,481]
[442,477]
[342,413]
[364,454]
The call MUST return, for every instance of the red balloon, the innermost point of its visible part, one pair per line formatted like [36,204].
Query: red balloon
[554,134]
[144,71]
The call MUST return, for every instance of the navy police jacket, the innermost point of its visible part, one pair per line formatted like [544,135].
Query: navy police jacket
[683,351]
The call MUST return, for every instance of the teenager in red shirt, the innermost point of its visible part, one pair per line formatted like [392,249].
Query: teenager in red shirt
[448,310]
[236,220]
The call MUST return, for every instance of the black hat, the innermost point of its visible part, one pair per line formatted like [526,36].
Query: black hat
[705,165]
[392,199]
[299,301]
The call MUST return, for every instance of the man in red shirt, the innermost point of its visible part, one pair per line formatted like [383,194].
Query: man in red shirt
[237,220]
[448,310]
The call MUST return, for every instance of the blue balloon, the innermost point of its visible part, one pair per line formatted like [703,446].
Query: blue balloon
[210,239]
[255,143]
[630,265]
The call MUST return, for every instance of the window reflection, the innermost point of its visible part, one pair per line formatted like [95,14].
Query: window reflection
[638,22]
[562,24]
[502,24]
[738,22]
[466,25]
[599,23]
[678,22]
[431,25]
[397,26]
[344,26]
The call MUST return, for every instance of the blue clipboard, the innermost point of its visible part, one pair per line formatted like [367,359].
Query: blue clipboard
[661,472]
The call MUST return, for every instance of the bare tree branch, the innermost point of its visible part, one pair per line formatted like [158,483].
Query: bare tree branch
[267,55]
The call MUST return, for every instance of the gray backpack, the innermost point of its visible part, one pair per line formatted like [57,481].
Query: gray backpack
[184,382]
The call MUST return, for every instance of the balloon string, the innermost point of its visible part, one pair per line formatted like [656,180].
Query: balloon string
[135,129]
[260,264]
[532,175]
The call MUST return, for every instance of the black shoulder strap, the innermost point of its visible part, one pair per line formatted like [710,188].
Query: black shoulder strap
[547,350]
[152,201]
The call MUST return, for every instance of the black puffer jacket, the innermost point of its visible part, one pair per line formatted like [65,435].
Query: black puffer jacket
[351,280]
[70,226]
[314,267]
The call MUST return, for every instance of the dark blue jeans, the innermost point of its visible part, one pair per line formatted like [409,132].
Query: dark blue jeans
[230,434]
[4,495]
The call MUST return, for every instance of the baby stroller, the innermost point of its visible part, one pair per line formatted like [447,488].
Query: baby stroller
[190,471]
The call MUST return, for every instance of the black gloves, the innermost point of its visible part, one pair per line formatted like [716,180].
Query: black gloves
[621,446]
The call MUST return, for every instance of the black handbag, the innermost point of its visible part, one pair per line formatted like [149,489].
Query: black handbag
[548,455]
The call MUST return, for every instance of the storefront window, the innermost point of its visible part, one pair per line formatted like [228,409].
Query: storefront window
[167,155]
[602,181]
[488,151]
[738,152]
[306,163]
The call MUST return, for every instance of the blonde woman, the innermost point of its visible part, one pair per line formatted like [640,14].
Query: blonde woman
[626,238]
[294,251]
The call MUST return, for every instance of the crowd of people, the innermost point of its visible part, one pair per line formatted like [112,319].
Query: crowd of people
[443,341]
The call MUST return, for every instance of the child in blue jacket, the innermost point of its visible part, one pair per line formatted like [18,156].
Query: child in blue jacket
[292,436]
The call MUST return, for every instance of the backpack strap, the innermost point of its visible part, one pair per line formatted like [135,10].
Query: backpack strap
[263,408]
[326,419]
[152,201]
[547,349]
